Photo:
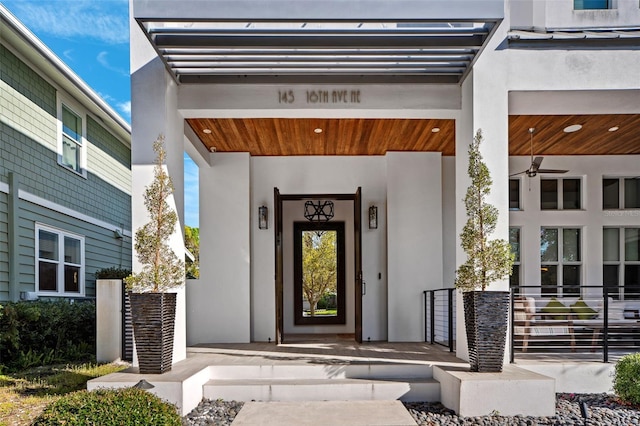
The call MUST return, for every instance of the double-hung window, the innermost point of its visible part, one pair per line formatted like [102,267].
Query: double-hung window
[71,154]
[60,262]
[560,194]
[621,262]
[620,193]
[560,261]
[514,242]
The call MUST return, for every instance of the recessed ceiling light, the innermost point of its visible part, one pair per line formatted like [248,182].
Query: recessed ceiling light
[317,130]
[207,131]
[614,128]
[573,128]
[435,130]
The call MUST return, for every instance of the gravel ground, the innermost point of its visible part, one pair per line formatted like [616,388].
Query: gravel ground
[603,409]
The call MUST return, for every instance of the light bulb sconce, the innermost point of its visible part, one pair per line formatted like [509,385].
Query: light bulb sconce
[373,217]
[263,217]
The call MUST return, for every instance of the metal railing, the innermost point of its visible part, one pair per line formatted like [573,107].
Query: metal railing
[581,322]
[439,317]
[592,323]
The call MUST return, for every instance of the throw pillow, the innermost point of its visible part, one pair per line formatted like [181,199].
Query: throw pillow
[555,310]
[582,310]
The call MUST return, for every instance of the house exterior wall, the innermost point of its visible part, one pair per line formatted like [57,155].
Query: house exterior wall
[506,79]
[554,14]
[590,219]
[90,206]
[414,239]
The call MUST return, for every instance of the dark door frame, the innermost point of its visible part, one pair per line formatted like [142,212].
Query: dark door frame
[278,244]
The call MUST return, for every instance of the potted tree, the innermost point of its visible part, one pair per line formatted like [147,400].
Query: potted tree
[152,306]
[485,312]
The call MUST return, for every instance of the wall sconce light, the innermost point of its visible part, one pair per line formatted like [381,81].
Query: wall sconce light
[263,217]
[373,217]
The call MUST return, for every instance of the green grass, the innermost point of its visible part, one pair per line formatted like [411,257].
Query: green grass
[25,394]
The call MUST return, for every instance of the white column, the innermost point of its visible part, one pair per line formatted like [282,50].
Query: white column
[219,303]
[485,106]
[153,113]
[414,235]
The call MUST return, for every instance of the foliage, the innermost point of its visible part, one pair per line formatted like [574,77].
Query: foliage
[192,243]
[25,394]
[112,273]
[626,380]
[126,406]
[44,332]
[319,266]
[162,269]
[487,260]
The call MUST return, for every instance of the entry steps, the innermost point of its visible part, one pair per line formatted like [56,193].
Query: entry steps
[405,382]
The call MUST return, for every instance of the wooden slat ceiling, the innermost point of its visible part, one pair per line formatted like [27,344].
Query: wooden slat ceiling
[350,136]
[594,138]
[346,136]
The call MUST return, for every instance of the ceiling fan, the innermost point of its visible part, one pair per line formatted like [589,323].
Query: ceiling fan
[534,168]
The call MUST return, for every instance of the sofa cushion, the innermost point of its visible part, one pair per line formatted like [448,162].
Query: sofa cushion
[616,311]
[555,309]
[582,311]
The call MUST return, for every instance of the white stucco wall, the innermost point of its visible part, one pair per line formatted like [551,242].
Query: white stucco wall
[414,221]
[154,112]
[218,303]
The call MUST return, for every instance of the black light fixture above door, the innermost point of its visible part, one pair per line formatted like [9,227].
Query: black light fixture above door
[373,217]
[320,211]
[263,217]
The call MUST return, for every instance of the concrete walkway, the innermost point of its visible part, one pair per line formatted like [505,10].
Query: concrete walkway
[335,413]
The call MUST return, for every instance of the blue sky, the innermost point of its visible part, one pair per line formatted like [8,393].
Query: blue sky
[92,38]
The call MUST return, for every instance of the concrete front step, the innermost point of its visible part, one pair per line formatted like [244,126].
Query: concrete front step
[335,389]
[380,371]
[335,413]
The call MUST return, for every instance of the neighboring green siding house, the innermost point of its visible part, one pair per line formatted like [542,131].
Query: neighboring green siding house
[65,175]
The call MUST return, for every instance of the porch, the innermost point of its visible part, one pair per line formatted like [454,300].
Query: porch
[336,368]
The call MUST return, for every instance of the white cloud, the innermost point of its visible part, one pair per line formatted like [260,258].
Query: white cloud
[105,20]
[102,60]
[68,54]
[125,108]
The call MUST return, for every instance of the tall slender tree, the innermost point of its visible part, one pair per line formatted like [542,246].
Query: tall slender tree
[487,260]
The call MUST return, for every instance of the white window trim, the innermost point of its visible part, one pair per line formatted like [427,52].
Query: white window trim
[60,271]
[560,192]
[621,262]
[74,108]
[560,262]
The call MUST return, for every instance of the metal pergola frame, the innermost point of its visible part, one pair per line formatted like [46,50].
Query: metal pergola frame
[237,44]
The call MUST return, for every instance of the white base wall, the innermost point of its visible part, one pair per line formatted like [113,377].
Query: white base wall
[108,320]
[414,235]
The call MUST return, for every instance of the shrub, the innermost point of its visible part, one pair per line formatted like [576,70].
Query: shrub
[112,273]
[46,332]
[126,406]
[626,381]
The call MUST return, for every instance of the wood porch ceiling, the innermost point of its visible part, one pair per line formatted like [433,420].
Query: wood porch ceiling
[360,136]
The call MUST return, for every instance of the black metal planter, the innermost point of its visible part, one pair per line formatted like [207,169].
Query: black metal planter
[486,316]
[153,328]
